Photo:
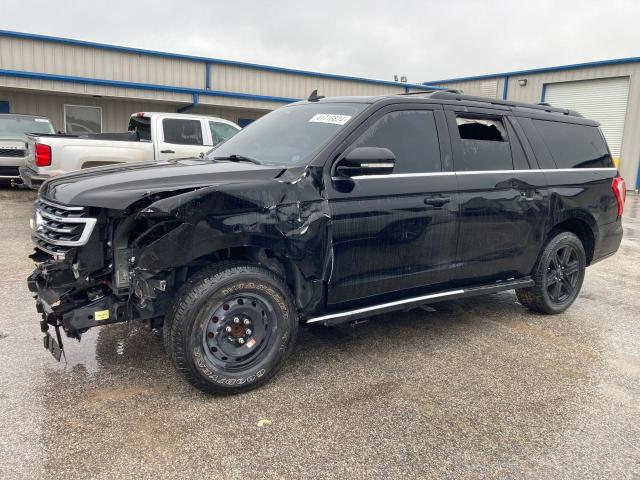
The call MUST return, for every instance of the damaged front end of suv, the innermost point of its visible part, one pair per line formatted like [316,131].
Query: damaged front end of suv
[87,272]
[116,263]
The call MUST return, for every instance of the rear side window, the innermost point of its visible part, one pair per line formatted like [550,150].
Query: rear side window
[481,129]
[574,146]
[412,137]
[142,127]
[182,132]
[483,145]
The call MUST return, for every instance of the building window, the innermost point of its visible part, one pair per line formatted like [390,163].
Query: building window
[82,119]
[243,122]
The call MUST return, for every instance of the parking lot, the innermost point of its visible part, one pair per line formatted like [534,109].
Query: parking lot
[480,388]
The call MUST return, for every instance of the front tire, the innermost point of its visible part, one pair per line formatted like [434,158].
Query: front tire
[231,328]
[558,276]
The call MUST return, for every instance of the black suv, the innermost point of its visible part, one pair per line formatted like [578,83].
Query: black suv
[323,212]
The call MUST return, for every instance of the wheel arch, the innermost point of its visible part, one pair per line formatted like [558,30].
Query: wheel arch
[582,225]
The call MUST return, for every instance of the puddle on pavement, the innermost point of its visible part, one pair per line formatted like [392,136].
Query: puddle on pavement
[112,347]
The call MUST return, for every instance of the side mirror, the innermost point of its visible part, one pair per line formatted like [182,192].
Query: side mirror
[366,161]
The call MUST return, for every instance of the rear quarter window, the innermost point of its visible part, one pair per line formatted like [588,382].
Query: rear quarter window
[574,146]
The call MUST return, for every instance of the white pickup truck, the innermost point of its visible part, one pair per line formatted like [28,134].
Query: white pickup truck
[151,136]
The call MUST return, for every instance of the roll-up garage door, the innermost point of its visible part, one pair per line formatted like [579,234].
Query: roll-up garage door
[603,100]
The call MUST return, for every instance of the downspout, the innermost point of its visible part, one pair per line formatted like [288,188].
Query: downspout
[207,76]
[196,101]
[505,87]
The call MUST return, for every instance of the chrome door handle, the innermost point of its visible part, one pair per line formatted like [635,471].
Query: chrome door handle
[167,151]
[437,201]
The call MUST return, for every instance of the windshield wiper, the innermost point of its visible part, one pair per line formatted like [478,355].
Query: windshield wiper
[238,158]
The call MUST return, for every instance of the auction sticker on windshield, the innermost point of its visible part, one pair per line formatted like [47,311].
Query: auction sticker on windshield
[330,118]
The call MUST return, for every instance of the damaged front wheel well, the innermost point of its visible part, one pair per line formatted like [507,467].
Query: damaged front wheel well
[266,257]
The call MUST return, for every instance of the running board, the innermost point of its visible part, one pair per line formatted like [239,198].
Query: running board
[349,315]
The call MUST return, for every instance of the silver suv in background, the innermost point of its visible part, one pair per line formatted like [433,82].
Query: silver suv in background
[13,143]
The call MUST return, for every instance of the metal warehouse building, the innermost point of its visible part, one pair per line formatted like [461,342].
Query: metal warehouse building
[607,91]
[85,86]
[90,86]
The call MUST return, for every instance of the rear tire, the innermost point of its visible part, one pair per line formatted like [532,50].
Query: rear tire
[558,276]
[231,328]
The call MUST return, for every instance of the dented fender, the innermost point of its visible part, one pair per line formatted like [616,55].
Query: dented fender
[290,218]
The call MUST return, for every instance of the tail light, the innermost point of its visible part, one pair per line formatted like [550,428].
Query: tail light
[619,187]
[43,155]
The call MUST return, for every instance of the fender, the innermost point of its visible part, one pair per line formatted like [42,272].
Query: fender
[267,217]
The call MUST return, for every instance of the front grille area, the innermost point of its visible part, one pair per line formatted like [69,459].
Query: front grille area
[58,228]
[12,152]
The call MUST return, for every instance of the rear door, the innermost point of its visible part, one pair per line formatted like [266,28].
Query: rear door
[395,233]
[503,196]
[180,137]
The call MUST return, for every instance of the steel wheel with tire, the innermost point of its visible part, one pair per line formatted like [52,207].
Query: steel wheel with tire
[558,276]
[230,328]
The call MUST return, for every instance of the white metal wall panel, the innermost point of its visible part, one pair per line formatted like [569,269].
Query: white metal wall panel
[289,85]
[489,88]
[483,88]
[73,60]
[603,100]
[115,113]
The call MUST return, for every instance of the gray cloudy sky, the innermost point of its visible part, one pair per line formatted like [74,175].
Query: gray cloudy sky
[425,40]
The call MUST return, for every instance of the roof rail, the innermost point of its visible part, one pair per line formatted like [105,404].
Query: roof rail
[508,103]
[428,91]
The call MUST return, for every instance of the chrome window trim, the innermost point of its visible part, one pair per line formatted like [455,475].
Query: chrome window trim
[482,172]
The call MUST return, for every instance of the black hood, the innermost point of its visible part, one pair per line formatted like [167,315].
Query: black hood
[118,186]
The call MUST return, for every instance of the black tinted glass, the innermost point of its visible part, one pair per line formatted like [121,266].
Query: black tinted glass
[182,132]
[574,146]
[517,152]
[483,145]
[412,137]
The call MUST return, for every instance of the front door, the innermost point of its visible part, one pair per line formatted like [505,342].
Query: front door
[395,234]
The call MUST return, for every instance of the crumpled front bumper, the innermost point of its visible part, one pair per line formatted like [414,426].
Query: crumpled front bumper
[73,312]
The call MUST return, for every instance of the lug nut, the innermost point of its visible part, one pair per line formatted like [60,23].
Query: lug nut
[227,329]
[241,340]
[236,320]
[247,321]
[248,331]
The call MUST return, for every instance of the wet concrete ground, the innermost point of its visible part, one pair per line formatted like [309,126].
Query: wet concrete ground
[481,388]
